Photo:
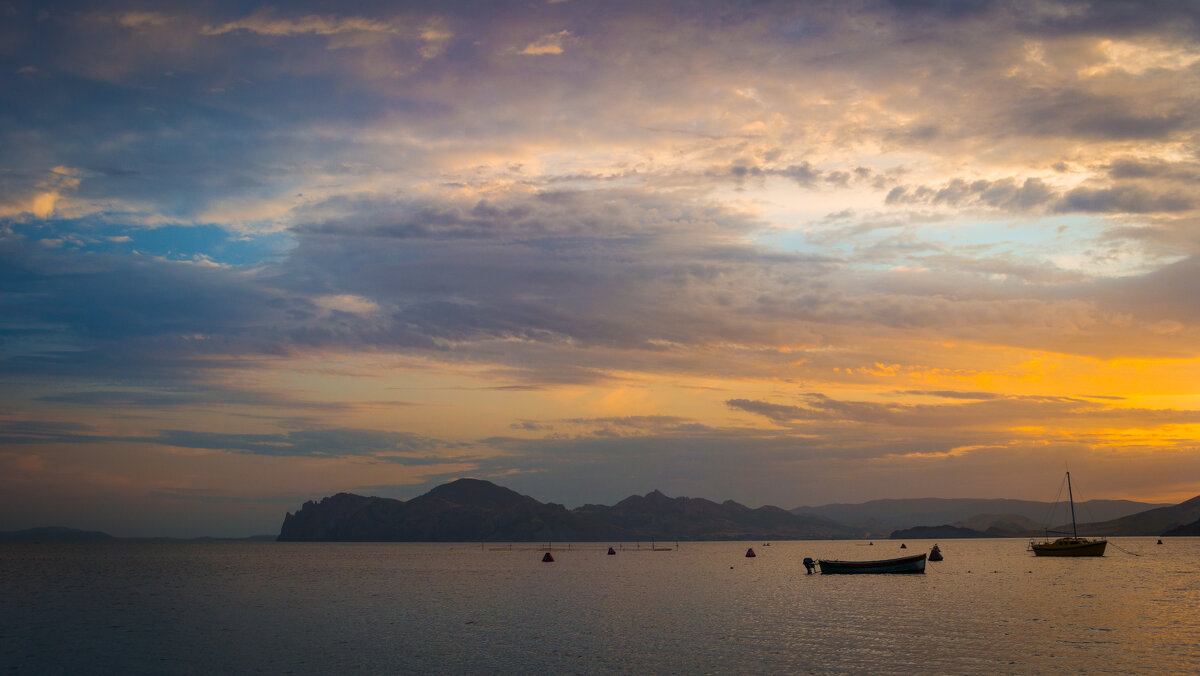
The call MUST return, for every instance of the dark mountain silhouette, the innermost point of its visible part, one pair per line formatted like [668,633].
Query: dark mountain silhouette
[656,515]
[1191,529]
[55,534]
[1181,519]
[880,517]
[944,532]
[1002,525]
[1151,522]
[466,510]
[59,534]
[471,510]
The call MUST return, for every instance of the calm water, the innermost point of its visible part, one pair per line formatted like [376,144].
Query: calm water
[436,608]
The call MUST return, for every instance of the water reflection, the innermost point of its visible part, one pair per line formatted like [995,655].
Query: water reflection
[387,608]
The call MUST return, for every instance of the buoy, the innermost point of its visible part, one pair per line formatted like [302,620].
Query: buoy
[903,546]
[547,558]
[750,553]
[612,552]
[871,543]
[1160,542]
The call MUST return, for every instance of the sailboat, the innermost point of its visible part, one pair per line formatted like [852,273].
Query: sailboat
[1069,546]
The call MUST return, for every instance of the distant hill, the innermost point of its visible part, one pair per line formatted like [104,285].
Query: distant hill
[656,515]
[58,534]
[1002,525]
[1156,521]
[55,534]
[881,517]
[466,510]
[472,510]
[944,532]
[1173,519]
[1191,529]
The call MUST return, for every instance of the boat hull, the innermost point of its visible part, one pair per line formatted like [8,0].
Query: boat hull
[905,564]
[1070,547]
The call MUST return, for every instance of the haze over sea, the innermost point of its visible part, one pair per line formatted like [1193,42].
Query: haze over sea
[243,607]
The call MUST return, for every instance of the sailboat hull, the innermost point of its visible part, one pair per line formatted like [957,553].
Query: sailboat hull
[1074,545]
[1070,547]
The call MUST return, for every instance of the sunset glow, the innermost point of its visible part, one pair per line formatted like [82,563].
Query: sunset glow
[782,253]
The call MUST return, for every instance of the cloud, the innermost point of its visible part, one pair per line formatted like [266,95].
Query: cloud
[266,22]
[1126,199]
[347,303]
[550,43]
[264,218]
[1006,194]
[979,414]
[36,196]
[392,446]
[947,394]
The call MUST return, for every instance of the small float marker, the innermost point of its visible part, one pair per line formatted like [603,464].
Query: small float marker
[750,553]
[903,546]
[612,552]
[547,558]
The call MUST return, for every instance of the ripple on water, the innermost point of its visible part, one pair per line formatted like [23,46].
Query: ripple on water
[388,608]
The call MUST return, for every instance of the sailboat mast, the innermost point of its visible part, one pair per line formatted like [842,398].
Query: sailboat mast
[1074,531]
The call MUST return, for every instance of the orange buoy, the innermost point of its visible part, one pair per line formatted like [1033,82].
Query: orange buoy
[750,553]
[547,558]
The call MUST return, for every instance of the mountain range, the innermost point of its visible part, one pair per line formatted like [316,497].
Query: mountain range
[880,517]
[472,510]
[62,535]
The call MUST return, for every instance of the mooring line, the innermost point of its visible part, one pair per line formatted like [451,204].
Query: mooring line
[1122,548]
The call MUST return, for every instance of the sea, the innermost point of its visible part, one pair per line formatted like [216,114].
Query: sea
[496,608]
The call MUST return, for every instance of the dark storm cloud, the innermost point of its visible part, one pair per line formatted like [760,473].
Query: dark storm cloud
[1033,194]
[549,288]
[1100,118]
[614,269]
[584,266]
[1112,18]
[104,315]
[1008,194]
[1136,168]
[804,174]
[1125,199]
[1051,18]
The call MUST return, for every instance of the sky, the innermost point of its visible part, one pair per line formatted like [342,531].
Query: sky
[785,253]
